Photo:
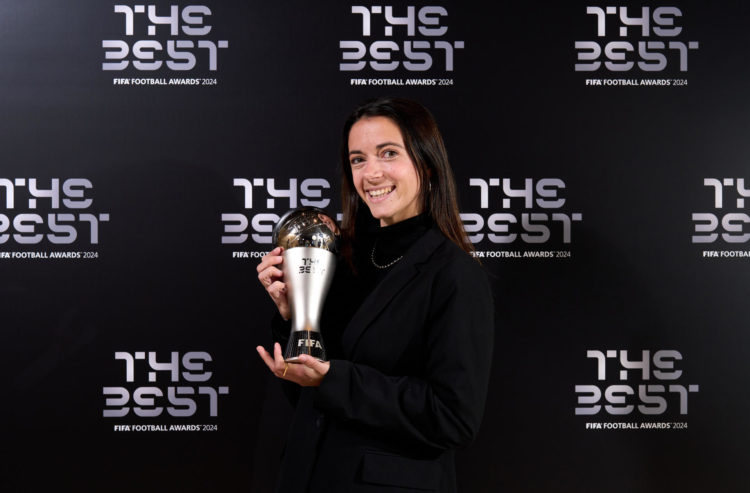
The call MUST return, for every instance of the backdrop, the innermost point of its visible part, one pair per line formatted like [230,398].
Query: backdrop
[600,152]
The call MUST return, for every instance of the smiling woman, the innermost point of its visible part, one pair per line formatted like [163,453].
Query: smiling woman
[408,322]
[382,171]
[413,126]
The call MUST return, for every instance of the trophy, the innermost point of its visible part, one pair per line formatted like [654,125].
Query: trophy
[309,238]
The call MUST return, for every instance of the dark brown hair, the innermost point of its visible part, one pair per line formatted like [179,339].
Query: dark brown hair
[426,149]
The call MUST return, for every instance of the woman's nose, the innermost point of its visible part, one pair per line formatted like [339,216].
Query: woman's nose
[374,169]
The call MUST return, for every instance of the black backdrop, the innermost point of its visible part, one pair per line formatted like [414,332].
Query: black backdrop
[619,181]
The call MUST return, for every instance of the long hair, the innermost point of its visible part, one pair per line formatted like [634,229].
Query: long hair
[437,187]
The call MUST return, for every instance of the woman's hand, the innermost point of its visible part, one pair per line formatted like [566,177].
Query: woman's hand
[270,276]
[309,373]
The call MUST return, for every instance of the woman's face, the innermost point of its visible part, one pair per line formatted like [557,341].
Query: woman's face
[384,174]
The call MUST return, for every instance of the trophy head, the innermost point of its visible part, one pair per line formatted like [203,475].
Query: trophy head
[306,227]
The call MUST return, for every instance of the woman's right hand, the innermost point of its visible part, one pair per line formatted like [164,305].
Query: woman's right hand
[270,276]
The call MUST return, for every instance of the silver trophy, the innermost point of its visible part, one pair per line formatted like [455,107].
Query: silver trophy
[309,238]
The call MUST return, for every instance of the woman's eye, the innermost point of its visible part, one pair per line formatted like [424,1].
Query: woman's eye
[389,154]
[356,160]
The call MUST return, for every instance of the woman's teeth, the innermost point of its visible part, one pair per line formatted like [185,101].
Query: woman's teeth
[380,192]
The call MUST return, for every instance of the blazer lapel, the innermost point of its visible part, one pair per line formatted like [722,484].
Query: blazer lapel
[390,287]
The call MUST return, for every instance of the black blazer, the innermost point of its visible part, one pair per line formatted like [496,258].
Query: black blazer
[410,386]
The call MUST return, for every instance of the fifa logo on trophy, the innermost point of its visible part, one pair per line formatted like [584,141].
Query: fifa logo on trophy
[309,238]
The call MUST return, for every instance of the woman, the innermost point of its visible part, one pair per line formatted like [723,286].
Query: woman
[408,322]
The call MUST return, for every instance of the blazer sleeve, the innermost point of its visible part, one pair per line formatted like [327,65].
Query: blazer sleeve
[443,407]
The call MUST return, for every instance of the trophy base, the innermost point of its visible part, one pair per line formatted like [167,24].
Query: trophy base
[304,342]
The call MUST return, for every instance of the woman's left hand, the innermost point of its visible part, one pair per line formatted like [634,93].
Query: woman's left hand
[308,373]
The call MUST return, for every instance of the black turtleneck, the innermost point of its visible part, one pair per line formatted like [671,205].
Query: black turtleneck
[383,246]
[390,243]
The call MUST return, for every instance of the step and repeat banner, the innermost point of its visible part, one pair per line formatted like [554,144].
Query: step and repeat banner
[602,157]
